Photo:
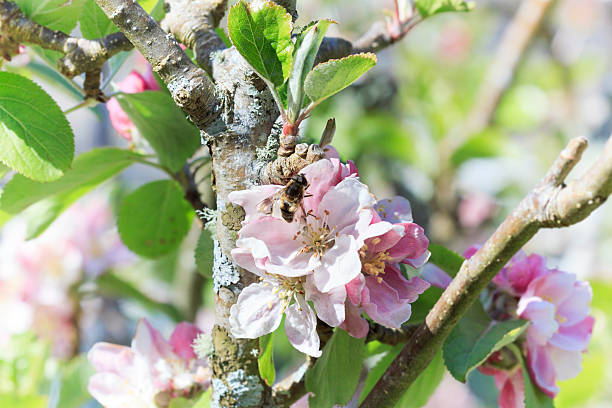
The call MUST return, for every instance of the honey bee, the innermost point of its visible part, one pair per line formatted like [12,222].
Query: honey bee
[289,198]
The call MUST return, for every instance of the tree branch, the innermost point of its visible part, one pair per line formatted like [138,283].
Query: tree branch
[81,55]
[550,204]
[191,88]
[386,335]
[192,22]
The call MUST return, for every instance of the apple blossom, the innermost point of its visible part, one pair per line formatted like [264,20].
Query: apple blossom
[149,373]
[556,304]
[341,236]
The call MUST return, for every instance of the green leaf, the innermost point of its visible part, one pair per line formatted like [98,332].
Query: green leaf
[421,389]
[204,253]
[331,77]
[534,397]
[3,170]
[263,37]
[428,8]
[265,360]
[204,399]
[334,377]
[424,303]
[35,137]
[74,378]
[445,259]
[110,284]
[164,125]
[50,74]
[305,52]
[475,338]
[154,219]
[56,14]
[88,170]
[424,386]
[94,23]
[221,33]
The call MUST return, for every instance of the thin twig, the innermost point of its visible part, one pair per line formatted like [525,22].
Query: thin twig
[550,204]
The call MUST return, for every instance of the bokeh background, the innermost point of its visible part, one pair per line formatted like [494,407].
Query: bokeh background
[415,125]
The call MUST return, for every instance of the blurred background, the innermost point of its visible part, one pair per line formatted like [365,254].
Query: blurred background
[462,116]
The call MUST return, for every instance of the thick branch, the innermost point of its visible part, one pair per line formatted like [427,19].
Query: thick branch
[81,55]
[550,204]
[192,22]
[191,88]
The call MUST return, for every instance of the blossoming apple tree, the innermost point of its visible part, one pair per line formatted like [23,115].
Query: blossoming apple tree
[344,273]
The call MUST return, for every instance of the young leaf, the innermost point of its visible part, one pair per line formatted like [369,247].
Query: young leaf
[424,303]
[341,361]
[204,253]
[263,37]
[35,137]
[88,170]
[305,53]
[445,259]
[73,383]
[475,338]
[94,23]
[154,219]
[534,397]
[164,125]
[331,77]
[428,8]
[266,358]
[56,14]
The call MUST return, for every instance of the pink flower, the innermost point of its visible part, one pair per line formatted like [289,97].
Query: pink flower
[381,290]
[474,209]
[509,383]
[133,83]
[557,306]
[136,375]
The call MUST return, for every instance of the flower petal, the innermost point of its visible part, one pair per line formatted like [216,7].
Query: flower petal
[250,199]
[329,306]
[301,328]
[568,364]
[435,276]
[182,338]
[354,324]
[574,338]
[110,357]
[576,307]
[150,343]
[394,210]
[339,265]
[542,369]
[258,311]
[541,314]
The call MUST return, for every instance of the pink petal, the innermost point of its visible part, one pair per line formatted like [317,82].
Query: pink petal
[329,306]
[344,202]
[541,314]
[110,357]
[354,288]
[575,337]
[435,276]
[243,257]
[150,343]
[258,311]
[408,290]
[321,176]
[250,199]
[512,392]
[119,119]
[395,210]
[133,83]
[541,369]
[576,307]
[354,324]
[182,338]
[113,391]
[384,305]
[412,245]
[556,287]
[339,265]
[568,364]
[301,328]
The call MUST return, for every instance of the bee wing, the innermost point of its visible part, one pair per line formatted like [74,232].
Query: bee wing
[267,204]
[328,133]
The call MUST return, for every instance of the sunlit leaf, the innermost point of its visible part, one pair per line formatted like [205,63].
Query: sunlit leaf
[265,360]
[56,14]
[430,7]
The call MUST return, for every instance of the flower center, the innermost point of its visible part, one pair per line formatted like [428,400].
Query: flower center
[317,236]
[285,288]
[373,263]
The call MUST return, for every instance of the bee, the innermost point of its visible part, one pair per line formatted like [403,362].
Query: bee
[289,198]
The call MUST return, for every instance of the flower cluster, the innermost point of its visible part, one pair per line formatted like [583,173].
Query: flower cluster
[557,306]
[135,82]
[341,252]
[36,276]
[151,372]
